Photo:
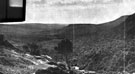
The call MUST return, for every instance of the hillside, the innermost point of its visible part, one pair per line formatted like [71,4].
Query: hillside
[109,29]
[97,47]
[102,47]
[84,30]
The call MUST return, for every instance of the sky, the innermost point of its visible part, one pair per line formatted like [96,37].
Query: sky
[16,3]
[77,11]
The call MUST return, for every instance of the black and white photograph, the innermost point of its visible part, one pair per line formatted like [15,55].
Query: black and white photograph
[67,36]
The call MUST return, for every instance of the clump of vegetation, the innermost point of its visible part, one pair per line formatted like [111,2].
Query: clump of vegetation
[32,48]
[65,48]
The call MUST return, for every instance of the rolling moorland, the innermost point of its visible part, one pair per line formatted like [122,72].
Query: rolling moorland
[106,48]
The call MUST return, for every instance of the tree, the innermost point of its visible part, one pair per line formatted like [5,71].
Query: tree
[65,47]
[26,48]
[34,49]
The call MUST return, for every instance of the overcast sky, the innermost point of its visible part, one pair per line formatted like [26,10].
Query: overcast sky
[16,3]
[77,11]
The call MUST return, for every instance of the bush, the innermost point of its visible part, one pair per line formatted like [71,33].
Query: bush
[32,48]
[65,47]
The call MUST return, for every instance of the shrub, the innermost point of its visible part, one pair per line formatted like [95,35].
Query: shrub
[33,49]
[65,47]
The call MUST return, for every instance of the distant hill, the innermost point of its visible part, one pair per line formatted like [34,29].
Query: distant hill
[26,32]
[107,30]
[39,31]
